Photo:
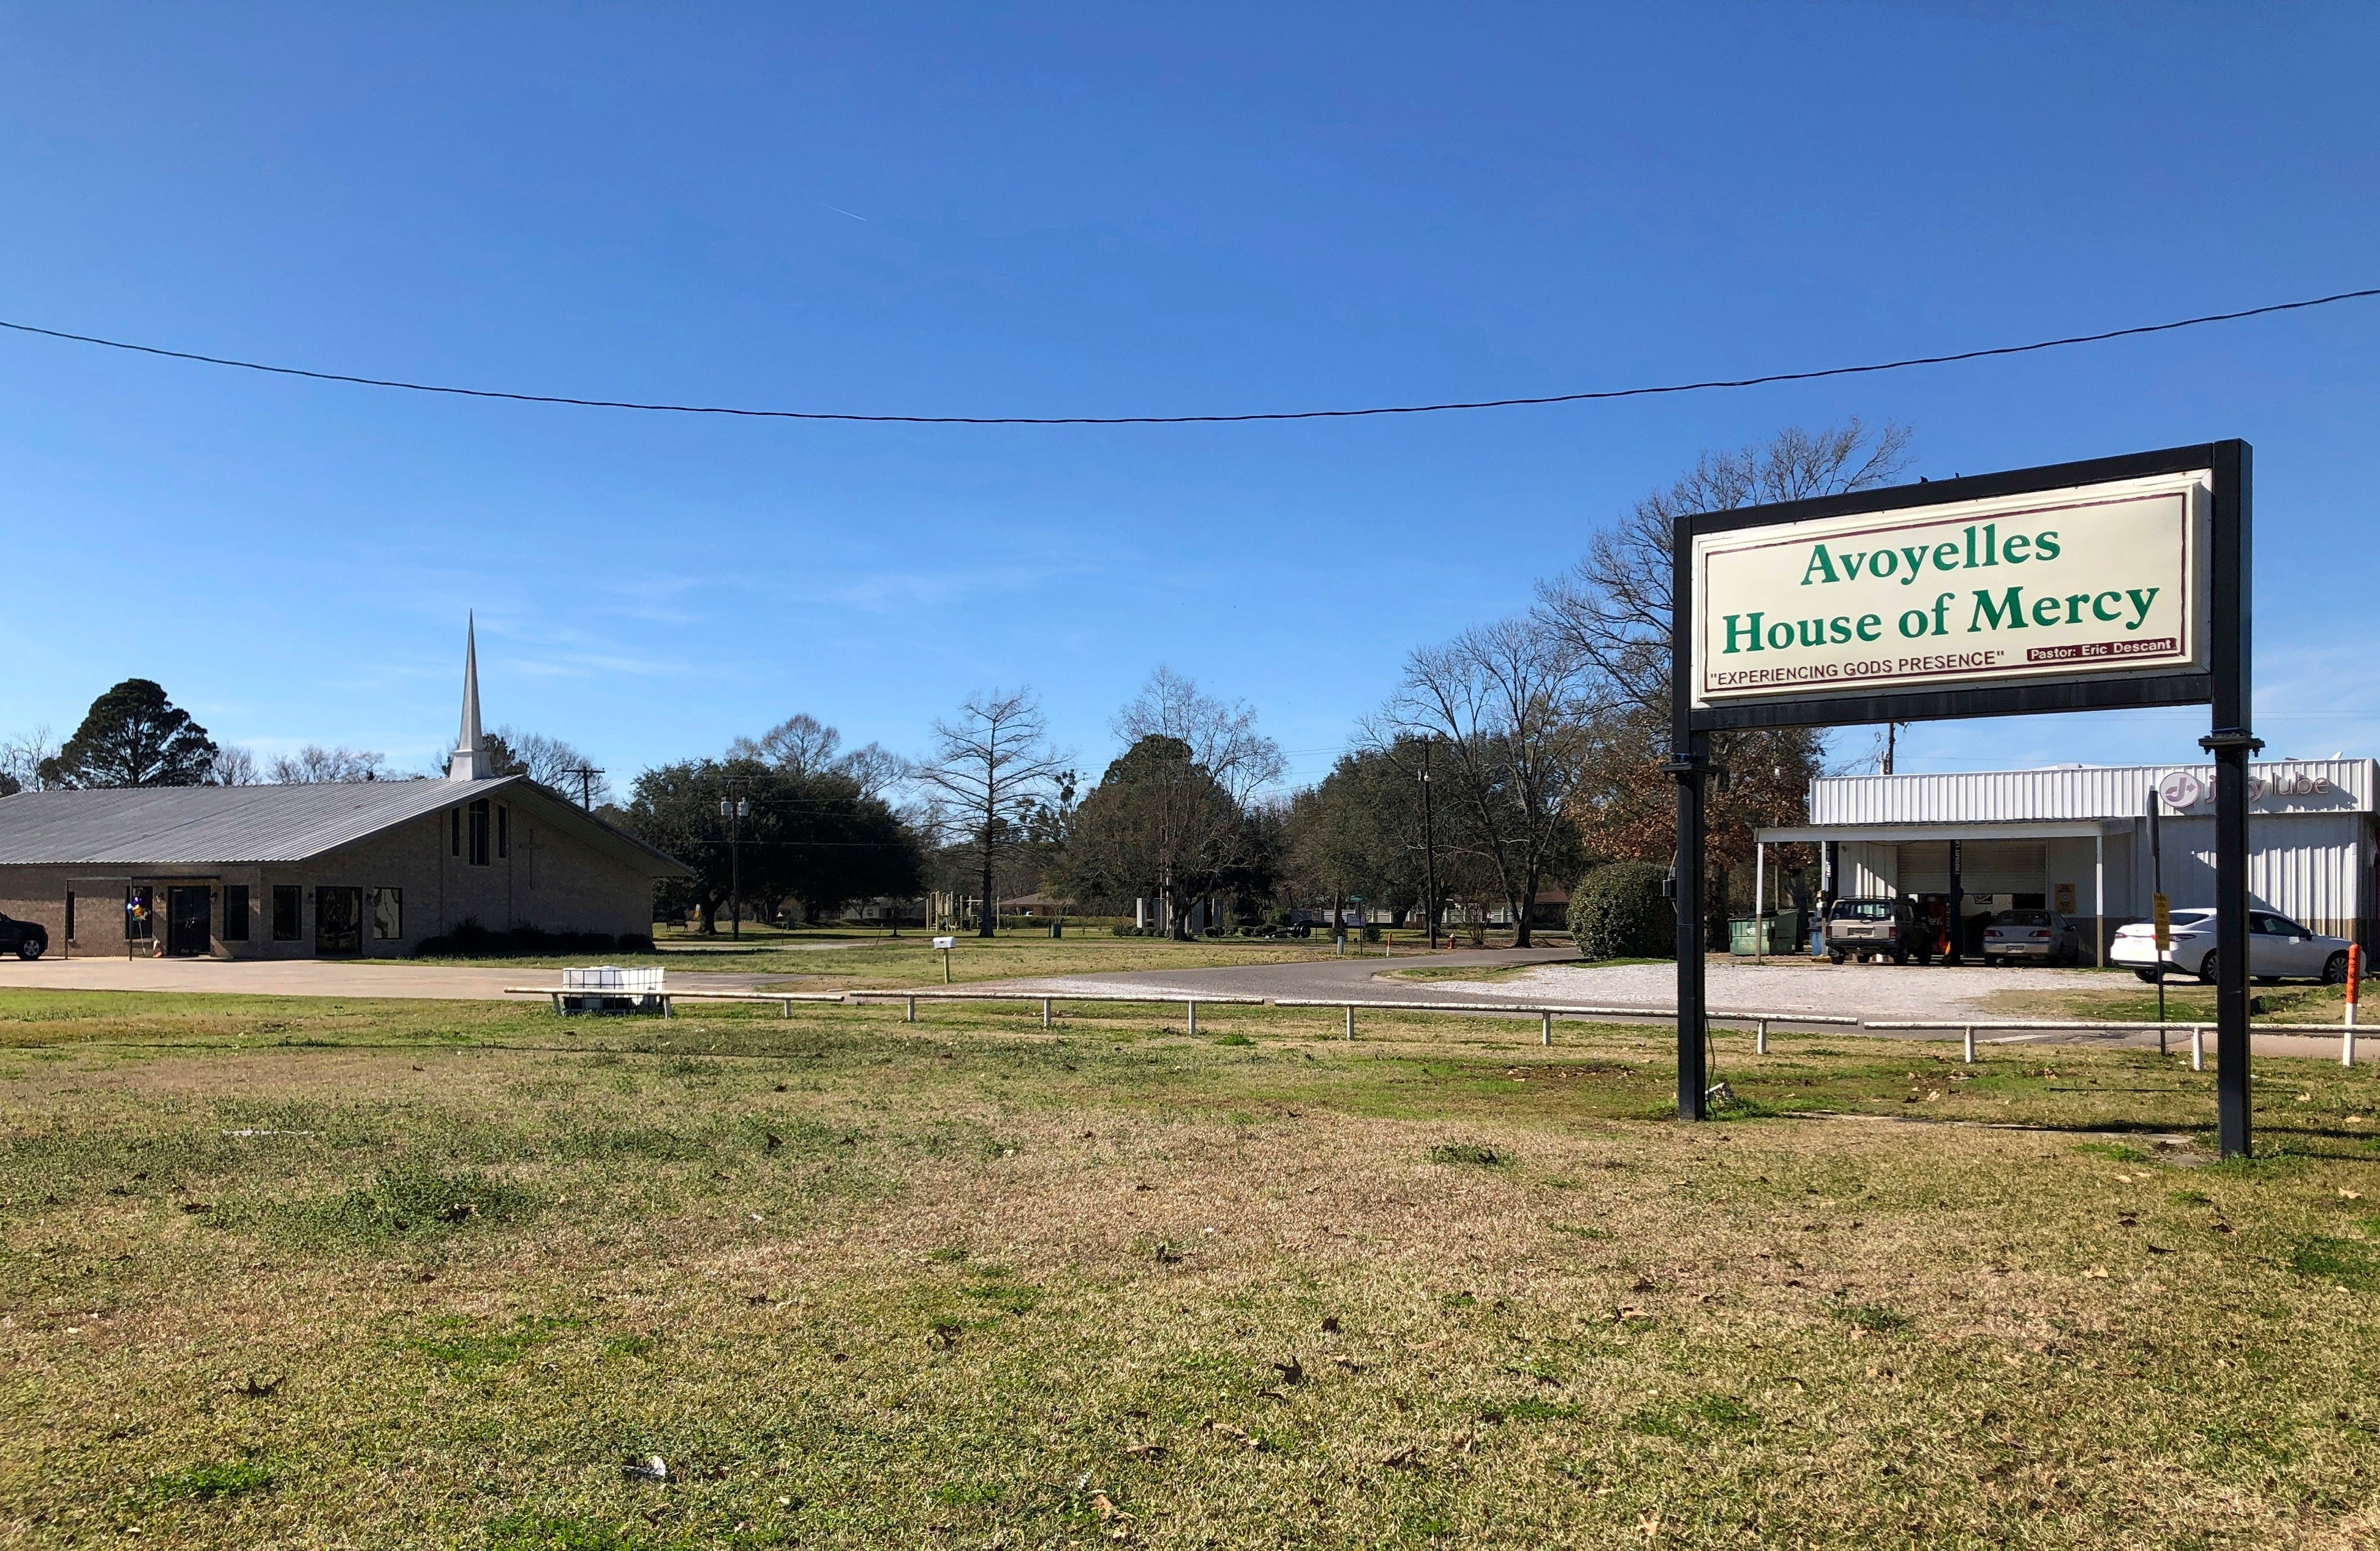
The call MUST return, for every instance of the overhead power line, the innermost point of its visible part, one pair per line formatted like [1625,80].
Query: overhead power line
[1762,380]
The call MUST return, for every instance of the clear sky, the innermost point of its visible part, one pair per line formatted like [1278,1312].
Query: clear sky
[1044,210]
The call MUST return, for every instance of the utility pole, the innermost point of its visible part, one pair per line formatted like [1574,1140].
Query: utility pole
[1429,850]
[734,809]
[585,774]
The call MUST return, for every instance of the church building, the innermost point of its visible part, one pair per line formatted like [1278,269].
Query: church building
[351,869]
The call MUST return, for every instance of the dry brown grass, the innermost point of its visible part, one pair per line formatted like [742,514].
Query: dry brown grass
[987,1287]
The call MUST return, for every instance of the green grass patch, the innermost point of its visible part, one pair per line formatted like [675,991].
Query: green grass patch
[1694,1418]
[407,1201]
[1873,1318]
[1465,1153]
[461,1343]
[2346,1262]
[1009,1297]
[548,1532]
[208,1483]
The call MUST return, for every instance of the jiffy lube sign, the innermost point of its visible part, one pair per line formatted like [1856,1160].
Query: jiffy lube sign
[2104,579]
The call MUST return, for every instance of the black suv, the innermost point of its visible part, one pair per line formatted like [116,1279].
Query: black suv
[25,939]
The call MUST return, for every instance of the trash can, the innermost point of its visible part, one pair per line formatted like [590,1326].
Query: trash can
[1057,929]
[1750,934]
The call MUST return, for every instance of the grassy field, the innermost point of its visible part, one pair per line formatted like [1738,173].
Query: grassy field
[278,1272]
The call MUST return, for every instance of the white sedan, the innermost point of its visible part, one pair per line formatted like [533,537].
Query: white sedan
[2279,948]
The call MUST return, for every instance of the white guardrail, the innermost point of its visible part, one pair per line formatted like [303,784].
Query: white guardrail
[604,988]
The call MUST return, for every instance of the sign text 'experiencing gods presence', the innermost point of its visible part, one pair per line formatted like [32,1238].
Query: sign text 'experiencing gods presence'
[2091,582]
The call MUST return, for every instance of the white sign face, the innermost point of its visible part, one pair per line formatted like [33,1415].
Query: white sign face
[2098,582]
[946,942]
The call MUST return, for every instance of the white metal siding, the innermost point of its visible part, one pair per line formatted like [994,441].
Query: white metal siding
[1868,871]
[2073,792]
[2307,869]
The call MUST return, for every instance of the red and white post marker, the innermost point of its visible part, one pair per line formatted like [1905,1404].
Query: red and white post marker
[2354,980]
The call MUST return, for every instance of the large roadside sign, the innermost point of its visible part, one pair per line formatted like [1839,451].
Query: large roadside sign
[2101,580]
[2118,581]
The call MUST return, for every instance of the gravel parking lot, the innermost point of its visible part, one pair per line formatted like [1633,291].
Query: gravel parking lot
[1874,990]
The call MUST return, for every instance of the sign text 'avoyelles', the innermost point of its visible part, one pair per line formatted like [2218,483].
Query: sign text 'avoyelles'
[2076,583]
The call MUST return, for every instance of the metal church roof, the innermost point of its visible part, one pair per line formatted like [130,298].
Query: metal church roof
[211,826]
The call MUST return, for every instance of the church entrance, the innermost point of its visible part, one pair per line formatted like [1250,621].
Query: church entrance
[189,922]
[338,920]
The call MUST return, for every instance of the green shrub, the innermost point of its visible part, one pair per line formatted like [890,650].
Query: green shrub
[1617,911]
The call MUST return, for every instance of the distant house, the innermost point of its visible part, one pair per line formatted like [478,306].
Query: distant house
[354,868]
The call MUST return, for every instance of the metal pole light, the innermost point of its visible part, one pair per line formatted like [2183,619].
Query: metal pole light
[735,810]
[1429,850]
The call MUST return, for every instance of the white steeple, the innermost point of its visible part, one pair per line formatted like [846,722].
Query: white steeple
[469,760]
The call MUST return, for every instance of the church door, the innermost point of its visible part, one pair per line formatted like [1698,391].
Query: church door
[189,922]
[338,920]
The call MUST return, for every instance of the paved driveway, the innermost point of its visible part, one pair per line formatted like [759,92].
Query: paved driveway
[1350,979]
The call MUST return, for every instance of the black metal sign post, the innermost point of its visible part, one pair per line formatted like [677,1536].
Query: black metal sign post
[2224,686]
[2231,741]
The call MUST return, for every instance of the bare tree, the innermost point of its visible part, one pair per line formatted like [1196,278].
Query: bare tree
[233,766]
[991,765]
[1222,740]
[549,762]
[21,759]
[877,768]
[315,764]
[802,745]
[1613,608]
[1502,703]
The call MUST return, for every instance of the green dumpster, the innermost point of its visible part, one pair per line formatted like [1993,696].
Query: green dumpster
[1752,935]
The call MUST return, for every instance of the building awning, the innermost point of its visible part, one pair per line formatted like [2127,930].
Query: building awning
[1894,834]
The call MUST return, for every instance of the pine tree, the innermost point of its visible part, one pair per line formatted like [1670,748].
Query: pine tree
[133,737]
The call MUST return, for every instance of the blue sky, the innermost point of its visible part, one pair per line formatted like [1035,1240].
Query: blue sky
[1037,210]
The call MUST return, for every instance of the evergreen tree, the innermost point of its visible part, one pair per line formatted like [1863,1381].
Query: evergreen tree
[133,737]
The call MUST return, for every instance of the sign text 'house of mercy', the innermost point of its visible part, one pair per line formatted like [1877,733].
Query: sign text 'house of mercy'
[2107,579]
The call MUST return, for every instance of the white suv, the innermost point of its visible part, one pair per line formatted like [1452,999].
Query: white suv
[2279,948]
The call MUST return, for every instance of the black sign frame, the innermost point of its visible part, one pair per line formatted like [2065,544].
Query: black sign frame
[2225,686]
